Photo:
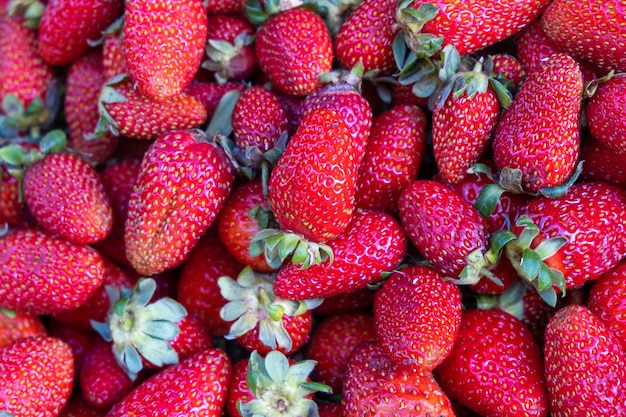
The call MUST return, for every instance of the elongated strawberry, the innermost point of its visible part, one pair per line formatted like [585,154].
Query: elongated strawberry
[169,212]
[43,274]
[163,44]
[292,48]
[495,367]
[578,343]
[606,303]
[392,158]
[14,326]
[36,375]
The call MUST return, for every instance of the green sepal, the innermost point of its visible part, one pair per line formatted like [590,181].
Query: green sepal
[53,141]
[532,264]
[221,122]
[108,95]
[5,414]
[13,154]
[488,199]
[549,296]
[549,247]
[560,190]
[9,313]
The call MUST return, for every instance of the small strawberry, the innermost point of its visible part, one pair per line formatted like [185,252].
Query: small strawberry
[199,382]
[163,44]
[508,66]
[210,93]
[36,375]
[183,182]
[495,367]
[585,365]
[11,208]
[602,163]
[14,326]
[113,57]
[607,303]
[605,113]
[43,274]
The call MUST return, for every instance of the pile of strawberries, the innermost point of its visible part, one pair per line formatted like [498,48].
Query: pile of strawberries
[322,208]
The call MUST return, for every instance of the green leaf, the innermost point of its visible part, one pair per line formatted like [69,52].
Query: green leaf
[233,310]
[221,122]
[275,311]
[13,154]
[143,291]
[501,238]
[164,330]
[277,366]
[426,87]
[545,278]
[301,253]
[129,358]
[120,307]
[561,190]
[156,351]
[548,296]
[53,141]
[529,233]
[242,325]
[166,309]
[531,264]
[488,199]
[102,329]
[549,247]
[288,245]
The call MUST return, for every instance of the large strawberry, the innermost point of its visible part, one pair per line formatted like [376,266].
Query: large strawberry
[183,182]
[163,44]
[605,113]
[43,274]
[585,365]
[606,301]
[36,376]
[495,367]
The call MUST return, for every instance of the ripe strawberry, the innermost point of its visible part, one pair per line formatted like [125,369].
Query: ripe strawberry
[66,196]
[36,376]
[14,326]
[183,182]
[113,57]
[224,6]
[605,113]
[346,302]
[11,209]
[376,239]
[200,382]
[509,66]
[367,36]
[417,316]
[79,340]
[403,94]
[43,274]
[606,301]
[77,407]
[495,367]
[545,148]
[602,163]
[332,341]
[239,391]
[598,41]
[67,26]
[330,409]
[292,48]
[585,365]
[210,93]
[375,386]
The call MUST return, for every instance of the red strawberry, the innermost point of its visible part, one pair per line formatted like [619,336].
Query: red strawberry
[292,48]
[36,375]
[602,163]
[43,274]
[77,407]
[67,26]
[210,93]
[238,390]
[585,365]
[373,238]
[14,326]
[11,209]
[169,212]
[606,301]
[200,382]
[347,302]
[495,367]
[545,148]
[509,66]
[597,40]
[375,386]
[163,44]
[79,340]
[113,57]
[605,113]
[417,316]
[224,6]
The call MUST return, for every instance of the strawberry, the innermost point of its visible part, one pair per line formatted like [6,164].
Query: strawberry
[36,376]
[113,57]
[261,321]
[347,302]
[169,212]
[602,163]
[509,66]
[85,79]
[376,239]
[43,274]
[545,148]
[200,382]
[66,27]
[77,407]
[598,41]
[495,367]
[238,390]
[79,340]
[605,111]
[375,386]
[11,208]
[584,363]
[417,316]
[14,326]
[292,48]
[606,301]
[367,36]
[403,94]
[210,93]
[332,341]
[163,44]
[224,6]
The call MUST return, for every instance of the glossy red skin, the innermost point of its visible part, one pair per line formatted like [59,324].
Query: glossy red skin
[592,217]
[66,27]
[429,209]
[167,212]
[372,244]
[42,274]
[602,163]
[578,343]
[346,302]
[113,58]
[495,367]
[606,111]
[18,326]
[607,302]
[293,48]
[210,93]
[36,375]
[544,147]
[77,210]
[330,409]
[77,407]
[374,386]
[588,30]
[238,389]
[297,327]
[312,186]
[332,341]
[164,43]
[226,27]
[474,25]
[509,66]
[236,228]
[367,36]
[199,382]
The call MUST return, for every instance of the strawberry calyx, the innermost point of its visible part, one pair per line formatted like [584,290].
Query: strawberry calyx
[411,21]
[259,12]
[252,303]
[114,28]
[222,56]
[334,12]
[478,266]
[277,245]
[30,10]
[511,300]
[108,95]
[140,329]
[280,388]
[5,414]
[17,116]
